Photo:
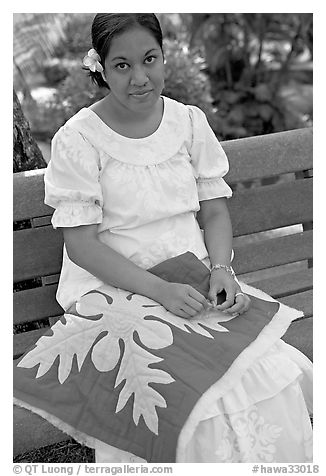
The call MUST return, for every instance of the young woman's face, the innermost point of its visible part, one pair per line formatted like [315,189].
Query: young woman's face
[134,70]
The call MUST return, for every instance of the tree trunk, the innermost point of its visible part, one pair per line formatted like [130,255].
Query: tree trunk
[27,155]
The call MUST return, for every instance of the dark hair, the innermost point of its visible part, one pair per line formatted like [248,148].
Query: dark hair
[106,26]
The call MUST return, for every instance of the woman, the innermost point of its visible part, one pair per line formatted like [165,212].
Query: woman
[139,367]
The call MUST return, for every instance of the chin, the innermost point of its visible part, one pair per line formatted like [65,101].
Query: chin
[143,103]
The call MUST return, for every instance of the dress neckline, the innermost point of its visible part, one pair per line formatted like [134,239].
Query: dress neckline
[112,131]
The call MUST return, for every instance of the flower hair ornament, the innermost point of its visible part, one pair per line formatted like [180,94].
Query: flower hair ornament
[91,61]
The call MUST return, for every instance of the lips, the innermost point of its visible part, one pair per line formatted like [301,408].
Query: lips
[141,93]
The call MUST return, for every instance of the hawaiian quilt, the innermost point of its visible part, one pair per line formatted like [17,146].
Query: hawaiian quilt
[120,368]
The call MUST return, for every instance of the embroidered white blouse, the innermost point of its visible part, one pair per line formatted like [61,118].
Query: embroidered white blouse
[143,193]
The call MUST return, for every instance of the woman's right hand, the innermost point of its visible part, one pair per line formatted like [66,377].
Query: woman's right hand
[182,299]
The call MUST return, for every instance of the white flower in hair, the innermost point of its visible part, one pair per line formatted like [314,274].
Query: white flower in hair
[91,61]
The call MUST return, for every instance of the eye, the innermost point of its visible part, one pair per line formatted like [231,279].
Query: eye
[150,59]
[122,66]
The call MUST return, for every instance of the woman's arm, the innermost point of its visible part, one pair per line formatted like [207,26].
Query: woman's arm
[87,251]
[215,220]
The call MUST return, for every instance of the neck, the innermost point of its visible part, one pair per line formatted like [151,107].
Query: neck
[125,115]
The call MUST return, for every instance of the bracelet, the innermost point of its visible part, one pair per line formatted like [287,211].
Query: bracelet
[226,268]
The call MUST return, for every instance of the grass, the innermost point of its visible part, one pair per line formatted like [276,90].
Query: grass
[65,452]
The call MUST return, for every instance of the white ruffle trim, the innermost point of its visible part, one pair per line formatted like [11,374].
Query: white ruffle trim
[267,338]
[213,188]
[69,214]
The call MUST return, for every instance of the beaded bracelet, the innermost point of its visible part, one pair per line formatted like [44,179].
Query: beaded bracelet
[227,268]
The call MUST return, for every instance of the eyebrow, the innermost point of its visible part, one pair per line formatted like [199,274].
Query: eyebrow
[125,59]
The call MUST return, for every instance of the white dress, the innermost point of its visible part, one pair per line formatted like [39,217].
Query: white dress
[144,195]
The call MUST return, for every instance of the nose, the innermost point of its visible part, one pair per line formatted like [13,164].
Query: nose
[139,76]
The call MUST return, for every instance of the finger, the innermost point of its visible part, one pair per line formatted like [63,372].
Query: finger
[197,306]
[235,309]
[198,296]
[225,305]
[241,305]
[246,305]
[212,296]
[244,301]
[182,313]
[213,291]
[230,292]
[189,310]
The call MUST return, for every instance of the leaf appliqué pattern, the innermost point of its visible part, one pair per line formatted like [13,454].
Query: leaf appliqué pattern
[119,316]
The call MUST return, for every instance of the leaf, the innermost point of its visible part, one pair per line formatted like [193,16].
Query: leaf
[236,115]
[209,319]
[266,111]
[135,370]
[263,93]
[64,342]
[232,97]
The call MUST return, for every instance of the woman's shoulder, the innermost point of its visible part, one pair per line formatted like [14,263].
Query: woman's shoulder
[184,111]
[80,119]
[78,126]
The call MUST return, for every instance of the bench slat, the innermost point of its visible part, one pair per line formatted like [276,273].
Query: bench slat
[250,158]
[29,195]
[31,431]
[272,206]
[26,339]
[301,301]
[286,284]
[300,335]
[34,304]
[269,155]
[39,303]
[37,252]
[273,252]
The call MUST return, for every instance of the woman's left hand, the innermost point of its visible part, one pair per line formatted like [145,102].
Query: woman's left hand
[236,301]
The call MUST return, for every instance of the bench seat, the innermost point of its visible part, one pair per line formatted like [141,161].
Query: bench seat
[271,212]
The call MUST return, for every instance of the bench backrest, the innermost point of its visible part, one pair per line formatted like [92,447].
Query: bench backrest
[276,166]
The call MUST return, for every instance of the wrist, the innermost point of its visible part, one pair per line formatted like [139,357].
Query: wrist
[156,287]
[227,268]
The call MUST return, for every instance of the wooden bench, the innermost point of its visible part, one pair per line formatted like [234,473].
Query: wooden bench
[271,212]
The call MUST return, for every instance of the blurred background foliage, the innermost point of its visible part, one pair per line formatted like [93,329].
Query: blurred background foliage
[251,73]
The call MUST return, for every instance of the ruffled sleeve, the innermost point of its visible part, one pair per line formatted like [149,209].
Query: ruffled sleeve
[208,158]
[72,184]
